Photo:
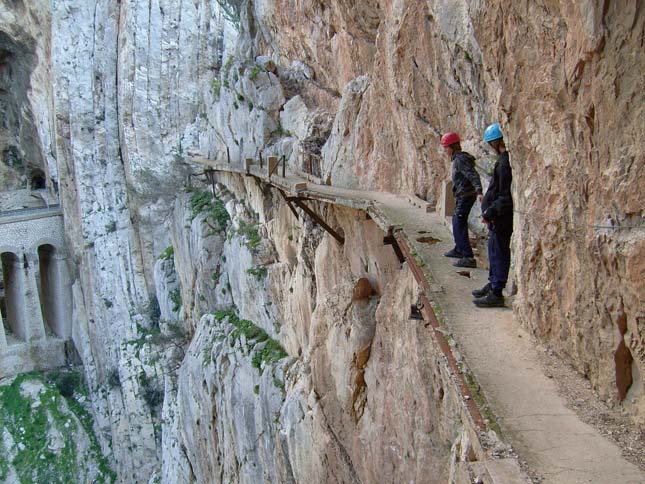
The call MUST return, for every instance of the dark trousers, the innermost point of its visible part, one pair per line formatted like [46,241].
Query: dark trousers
[460,224]
[499,259]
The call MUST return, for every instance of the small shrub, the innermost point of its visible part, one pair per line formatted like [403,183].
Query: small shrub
[107,302]
[154,311]
[250,233]
[113,378]
[175,298]
[152,394]
[110,227]
[255,71]
[259,272]
[168,253]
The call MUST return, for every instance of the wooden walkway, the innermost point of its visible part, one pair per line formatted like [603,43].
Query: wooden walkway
[501,356]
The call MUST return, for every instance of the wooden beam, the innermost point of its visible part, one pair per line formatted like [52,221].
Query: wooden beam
[316,218]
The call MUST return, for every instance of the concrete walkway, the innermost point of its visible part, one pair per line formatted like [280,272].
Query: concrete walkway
[504,359]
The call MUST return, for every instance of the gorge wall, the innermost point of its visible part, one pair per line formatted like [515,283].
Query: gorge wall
[185,305]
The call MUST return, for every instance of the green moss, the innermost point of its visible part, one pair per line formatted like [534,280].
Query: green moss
[259,272]
[168,254]
[265,349]
[175,298]
[255,71]
[216,87]
[29,421]
[250,233]
[216,275]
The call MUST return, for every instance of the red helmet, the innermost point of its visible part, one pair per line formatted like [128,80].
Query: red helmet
[450,139]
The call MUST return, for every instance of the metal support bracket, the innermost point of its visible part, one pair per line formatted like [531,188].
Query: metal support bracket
[317,219]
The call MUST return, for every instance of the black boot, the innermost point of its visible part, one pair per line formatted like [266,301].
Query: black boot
[483,291]
[490,300]
[468,262]
[454,254]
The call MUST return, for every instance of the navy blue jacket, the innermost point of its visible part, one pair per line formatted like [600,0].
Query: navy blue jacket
[465,179]
[497,206]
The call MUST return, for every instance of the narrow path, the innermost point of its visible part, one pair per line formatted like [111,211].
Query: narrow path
[533,417]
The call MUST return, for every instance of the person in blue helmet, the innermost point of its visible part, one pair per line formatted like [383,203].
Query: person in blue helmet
[497,213]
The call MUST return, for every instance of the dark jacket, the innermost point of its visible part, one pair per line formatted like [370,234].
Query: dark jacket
[497,206]
[465,179]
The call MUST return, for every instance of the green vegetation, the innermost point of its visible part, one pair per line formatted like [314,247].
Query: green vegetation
[259,272]
[110,227]
[266,350]
[255,71]
[201,201]
[216,87]
[175,298]
[154,311]
[168,254]
[228,64]
[250,233]
[29,421]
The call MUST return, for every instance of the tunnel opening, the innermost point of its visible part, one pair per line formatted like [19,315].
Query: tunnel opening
[12,303]
[38,180]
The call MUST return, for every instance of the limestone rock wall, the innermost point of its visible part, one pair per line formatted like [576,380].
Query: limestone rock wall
[564,81]
[358,383]
[26,100]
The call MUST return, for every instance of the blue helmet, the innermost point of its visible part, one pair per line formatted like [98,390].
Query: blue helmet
[492,133]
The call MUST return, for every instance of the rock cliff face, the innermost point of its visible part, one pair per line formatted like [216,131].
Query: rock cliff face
[186,304]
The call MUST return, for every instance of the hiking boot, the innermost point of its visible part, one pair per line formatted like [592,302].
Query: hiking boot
[415,312]
[483,291]
[490,300]
[453,254]
[466,262]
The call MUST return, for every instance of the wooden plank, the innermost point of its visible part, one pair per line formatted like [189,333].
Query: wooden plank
[272,165]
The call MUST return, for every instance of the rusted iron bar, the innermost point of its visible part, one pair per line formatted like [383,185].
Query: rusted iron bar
[261,161]
[284,166]
[316,218]
[442,342]
[210,176]
[228,155]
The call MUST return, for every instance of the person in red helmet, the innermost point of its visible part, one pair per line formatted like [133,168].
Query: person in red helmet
[467,188]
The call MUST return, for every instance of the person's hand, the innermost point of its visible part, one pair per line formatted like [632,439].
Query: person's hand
[486,222]
[480,197]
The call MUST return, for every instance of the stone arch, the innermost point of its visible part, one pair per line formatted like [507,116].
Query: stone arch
[56,244]
[14,315]
[50,289]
